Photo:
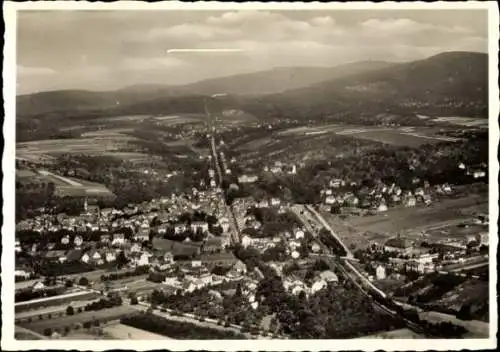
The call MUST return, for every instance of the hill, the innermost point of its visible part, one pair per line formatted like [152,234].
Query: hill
[448,83]
[454,83]
[281,79]
[155,97]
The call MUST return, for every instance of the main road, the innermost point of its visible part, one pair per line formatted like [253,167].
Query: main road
[235,233]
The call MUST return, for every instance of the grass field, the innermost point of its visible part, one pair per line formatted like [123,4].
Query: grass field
[395,334]
[410,222]
[125,332]
[404,136]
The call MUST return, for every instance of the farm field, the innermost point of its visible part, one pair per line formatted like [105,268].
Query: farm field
[126,332]
[53,309]
[70,320]
[463,121]
[404,136]
[409,222]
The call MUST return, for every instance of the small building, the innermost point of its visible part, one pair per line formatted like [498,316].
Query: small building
[380,272]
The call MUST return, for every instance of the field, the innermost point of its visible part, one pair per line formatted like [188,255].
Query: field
[68,186]
[403,136]
[463,121]
[410,222]
[126,332]
[395,334]
[70,320]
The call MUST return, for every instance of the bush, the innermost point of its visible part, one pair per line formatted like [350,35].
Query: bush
[83,281]
[70,310]
[68,283]
[47,332]
[134,301]
[87,325]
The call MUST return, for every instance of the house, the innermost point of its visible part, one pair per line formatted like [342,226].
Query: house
[399,245]
[74,255]
[411,201]
[246,241]
[380,272]
[382,207]
[329,200]
[85,258]
[329,276]
[299,234]
[22,273]
[172,281]
[78,241]
[247,179]
[212,244]
[336,183]
[199,225]
[179,228]
[105,239]
[118,239]
[56,256]
[275,202]
[65,240]
[140,259]
[315,247]
[95,257]
[142,235]
[37,286]
[318,286]
[110,256]
[136,247]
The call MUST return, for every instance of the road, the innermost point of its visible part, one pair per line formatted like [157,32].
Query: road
[235,234]
[330,230]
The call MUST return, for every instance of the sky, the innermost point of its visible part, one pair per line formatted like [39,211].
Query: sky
[104,50]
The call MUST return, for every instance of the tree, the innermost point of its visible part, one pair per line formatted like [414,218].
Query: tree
[134,301]
[68,283]
[70,310]
[87,325]
[47,331]
[83,281]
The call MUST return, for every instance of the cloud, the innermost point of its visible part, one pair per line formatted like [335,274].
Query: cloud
[34,71]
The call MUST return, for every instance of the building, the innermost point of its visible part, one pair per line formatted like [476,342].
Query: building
[247,179]
[118,239]
[399,245]
[380,272]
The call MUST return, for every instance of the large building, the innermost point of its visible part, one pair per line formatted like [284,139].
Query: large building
[398,244]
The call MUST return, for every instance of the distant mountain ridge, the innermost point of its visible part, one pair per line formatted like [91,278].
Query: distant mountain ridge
[262,82]
[455,79]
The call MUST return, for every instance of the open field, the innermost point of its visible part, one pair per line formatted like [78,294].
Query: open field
[404,136]
[70,320]
[395,334]
[476,328]
[126,332]
[61,308]
[463,121]
[410,222]
[69,186]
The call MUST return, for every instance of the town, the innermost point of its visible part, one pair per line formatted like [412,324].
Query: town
[264,192]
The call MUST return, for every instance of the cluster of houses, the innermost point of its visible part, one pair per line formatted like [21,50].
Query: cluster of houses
[381,196]
[279,168]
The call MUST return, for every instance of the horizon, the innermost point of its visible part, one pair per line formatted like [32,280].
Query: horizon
[163,85]
[136,53]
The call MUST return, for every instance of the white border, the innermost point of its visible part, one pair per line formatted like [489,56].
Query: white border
[8,167]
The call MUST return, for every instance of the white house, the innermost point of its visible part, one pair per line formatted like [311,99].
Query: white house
[118,239]
[110,257]
[78,241]
[246,241]
[318,286]
[380,272]
[199,225]
[329,200]
[299,234]
[85,258]
[179,228]
[65,240]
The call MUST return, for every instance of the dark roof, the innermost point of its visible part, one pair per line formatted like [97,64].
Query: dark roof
[398,242]
[74,255]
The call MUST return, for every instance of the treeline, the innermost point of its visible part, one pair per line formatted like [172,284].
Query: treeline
[141,270]
[29,294]
[178,330]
